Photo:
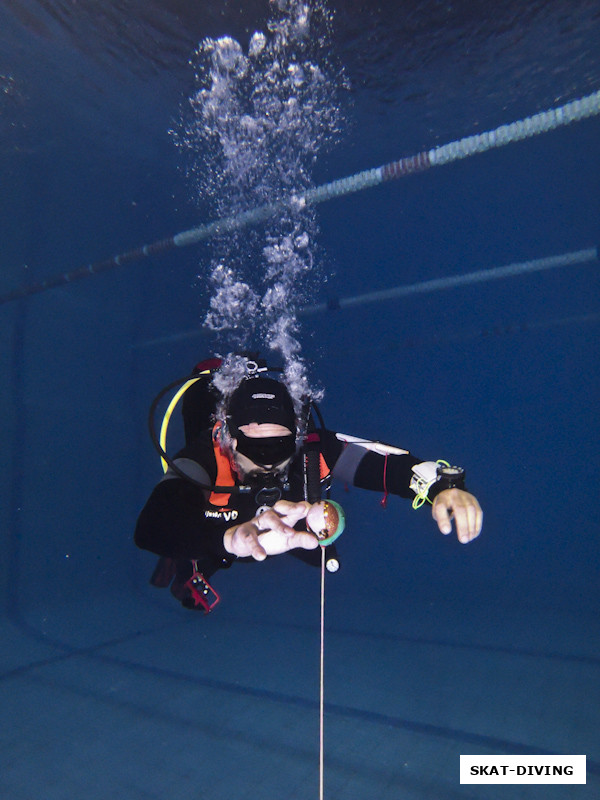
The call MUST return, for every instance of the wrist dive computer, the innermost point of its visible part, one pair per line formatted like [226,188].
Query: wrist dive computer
[450,477]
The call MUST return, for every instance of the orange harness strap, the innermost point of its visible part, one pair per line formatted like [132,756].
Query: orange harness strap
[224,472]
[323,468]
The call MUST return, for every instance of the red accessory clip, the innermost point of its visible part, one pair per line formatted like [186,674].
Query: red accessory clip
[201,591]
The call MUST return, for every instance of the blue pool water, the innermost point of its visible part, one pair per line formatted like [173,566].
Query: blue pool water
[433,649]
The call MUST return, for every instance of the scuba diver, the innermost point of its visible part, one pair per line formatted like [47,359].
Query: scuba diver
[249,485]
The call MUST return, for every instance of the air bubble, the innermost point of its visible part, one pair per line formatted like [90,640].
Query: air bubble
[253,131]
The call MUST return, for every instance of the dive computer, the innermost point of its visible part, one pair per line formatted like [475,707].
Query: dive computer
[450,477]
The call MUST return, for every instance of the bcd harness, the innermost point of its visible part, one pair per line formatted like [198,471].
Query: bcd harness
[316,475]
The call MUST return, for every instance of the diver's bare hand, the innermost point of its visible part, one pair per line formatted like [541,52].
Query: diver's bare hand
[270,533]
[463,508]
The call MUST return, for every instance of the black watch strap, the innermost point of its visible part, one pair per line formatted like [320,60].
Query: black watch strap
[450,477]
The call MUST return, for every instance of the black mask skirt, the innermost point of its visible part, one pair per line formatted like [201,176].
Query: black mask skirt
[267,451]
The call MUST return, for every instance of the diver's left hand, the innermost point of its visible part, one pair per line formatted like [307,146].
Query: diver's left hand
[463,508]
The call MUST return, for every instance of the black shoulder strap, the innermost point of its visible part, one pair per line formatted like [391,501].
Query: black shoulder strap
[313,488]
[312,464]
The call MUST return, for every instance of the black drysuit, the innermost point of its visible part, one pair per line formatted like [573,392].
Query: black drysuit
[180,523]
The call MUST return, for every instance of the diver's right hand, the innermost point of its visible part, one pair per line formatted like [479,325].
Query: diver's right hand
[270,534]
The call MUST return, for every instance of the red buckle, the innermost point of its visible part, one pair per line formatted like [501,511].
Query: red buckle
[202,592]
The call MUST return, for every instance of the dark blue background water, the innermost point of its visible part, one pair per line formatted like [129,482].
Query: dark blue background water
[500,377]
